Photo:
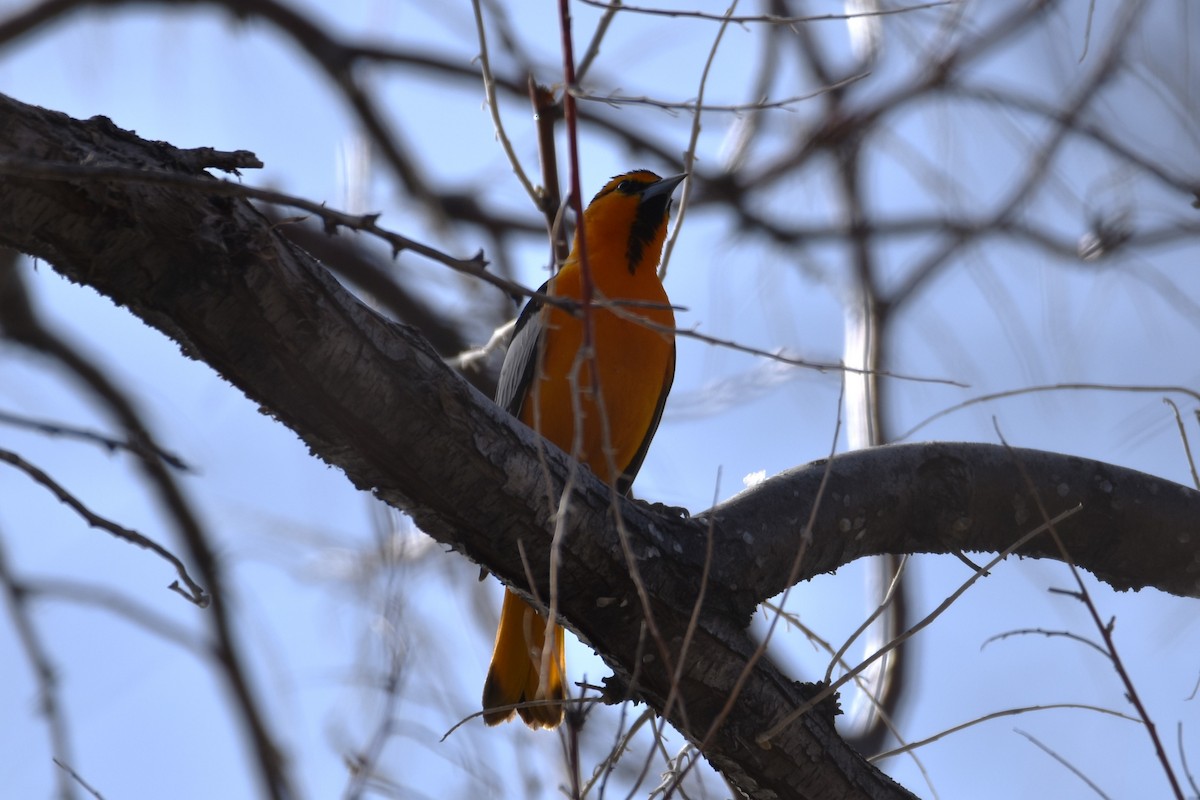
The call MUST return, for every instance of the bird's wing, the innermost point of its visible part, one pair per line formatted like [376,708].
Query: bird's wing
[516,374]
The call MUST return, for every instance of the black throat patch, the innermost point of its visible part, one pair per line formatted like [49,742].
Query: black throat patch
[649,216]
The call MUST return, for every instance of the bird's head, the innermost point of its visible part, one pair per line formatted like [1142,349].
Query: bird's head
[631,212]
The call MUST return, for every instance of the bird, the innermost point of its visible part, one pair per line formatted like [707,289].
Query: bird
[548,382]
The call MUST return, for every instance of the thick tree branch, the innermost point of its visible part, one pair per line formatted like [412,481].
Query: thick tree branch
[371,397]
[1134,530]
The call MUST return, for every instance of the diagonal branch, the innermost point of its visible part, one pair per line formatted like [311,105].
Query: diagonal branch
[190,590]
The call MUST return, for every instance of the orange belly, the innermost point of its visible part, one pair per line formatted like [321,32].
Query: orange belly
[631,361]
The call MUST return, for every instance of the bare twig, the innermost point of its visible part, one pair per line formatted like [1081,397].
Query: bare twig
[141,449]
[884,602]
[689,155]
[765,737]
[16,595]
[797,562]
[1049,634]
[1055,387]
[1075,770]
[365,762]
[593,49]
[22,325]
[49,590]
[333,219]
[1191,779]
[78,779]
[1183,437]
[545,111]
[769,19]
[698,105]
[489,90]
[695,618]
[193,592]
[1105,630]
[778,355]
[1008,712]
[623,740]
[859,682]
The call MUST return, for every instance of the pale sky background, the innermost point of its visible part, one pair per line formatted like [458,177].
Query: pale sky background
[147,720]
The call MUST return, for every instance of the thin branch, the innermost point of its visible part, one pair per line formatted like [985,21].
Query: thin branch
[1105,630]
[1008,712]
[1191,779]
[880,609]
[489,90]
[778,355]
[333,219]
[50,590]
[593,49]
[689,154]
[45,675]
[140,449]
[1037,165]
[78,779]
[1053,387]
[859,682]
[1183,437]
[690,631]
[1076,771]
[1097,132]
[365,762]
[806,537]
[194,592]
[765,737]
[587,352]
[698,105]
[1049,634]
[623,740]
[769,19]
[337,59]
[22,325]
[545,111]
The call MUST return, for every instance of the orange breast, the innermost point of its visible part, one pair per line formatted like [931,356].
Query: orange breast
[631,361]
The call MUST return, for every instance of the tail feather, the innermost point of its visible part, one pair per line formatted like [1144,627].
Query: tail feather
[515,675]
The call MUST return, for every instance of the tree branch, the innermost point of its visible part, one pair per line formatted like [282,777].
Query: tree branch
[1134,530]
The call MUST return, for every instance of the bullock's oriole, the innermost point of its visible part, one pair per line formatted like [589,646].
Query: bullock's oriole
[547,383]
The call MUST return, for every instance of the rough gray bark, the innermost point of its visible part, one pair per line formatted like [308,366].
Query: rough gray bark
[371,397]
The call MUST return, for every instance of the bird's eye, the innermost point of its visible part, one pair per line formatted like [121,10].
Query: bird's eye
[626,187]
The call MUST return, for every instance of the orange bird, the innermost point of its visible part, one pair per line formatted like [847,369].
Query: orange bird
[547,383]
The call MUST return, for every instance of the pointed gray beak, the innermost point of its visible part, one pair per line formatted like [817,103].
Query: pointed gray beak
[664,187]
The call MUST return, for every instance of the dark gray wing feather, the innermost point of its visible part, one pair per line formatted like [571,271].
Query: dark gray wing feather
[516,374]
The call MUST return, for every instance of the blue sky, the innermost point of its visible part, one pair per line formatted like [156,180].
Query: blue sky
[147,720]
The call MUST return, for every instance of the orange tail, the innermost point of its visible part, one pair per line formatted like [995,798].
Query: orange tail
[515,674]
